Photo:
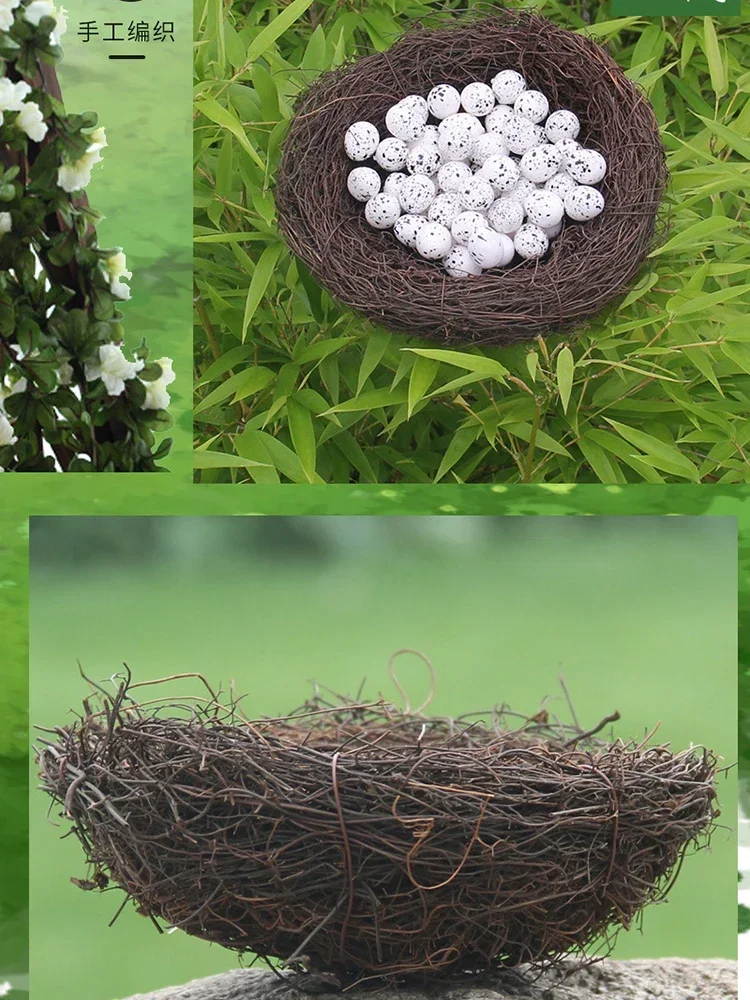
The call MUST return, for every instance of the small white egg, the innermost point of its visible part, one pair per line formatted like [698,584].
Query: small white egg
[532,104]
[544,209]
[584,203]
[455,145]
[404,123]
[361,141]
[391,154]
[393,182]
[382,210]
[568,147]
[541,163]
[433,241]
[416,194]
[443,101]
[363,183]
[477,99]
[462,122]
[562,125]
[445,208]
[417,104]
[423,160]
[477,195]
[507,86]
[560,184]
[460,264]
[406,229]
[587,166]
[490,144]
[466,224]
[506,215]
[454,175]
[498,118]
[491,249]
[531,242]
[519,135]
[501,172]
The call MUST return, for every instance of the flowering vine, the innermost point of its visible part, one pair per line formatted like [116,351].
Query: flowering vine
[73,398]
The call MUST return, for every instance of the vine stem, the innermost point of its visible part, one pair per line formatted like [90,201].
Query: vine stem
[528,464]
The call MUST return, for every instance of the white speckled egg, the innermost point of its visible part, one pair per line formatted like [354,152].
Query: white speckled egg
[443,101]
[541,163]
[463,122]
[423,160]
[406,229]
[455,144]
[466,224]
[532,104]
[416,194]
[587,166]
[382,210]
[507,86]
[393,182]
[544,209]
[454,175]
[361,141]
[560,184]
[501,172]
[391,154]
[477,195]
[433,241]
[491,249]
[506,215]
[584,203]
[568,147]
[428,138]
[497,119]
[552,232]
[363,183]
[477,99]
[404,122]
[418,104]
[460,264]
[445,208]
[519,135]
[531,242]
[521,191]
[490,144]
[562,125]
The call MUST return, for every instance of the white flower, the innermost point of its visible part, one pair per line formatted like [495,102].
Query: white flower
[157,397]
[12,95]
[74,176]
[5,223]
[39,9]
[6,437]
[6,23]
[65,373]
[113,369]
[31,121]
[116,268]
[61,26]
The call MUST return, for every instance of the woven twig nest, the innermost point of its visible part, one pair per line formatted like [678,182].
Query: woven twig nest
[365,841]
[587,267]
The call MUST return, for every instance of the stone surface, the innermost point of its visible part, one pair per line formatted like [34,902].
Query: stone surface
[667,979]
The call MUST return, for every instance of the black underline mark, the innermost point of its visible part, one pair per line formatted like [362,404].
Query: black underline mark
[127,57]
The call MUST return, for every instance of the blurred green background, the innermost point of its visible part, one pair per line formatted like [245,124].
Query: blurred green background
[144,184]
[639,613]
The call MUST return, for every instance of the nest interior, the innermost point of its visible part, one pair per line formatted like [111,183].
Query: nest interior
[587,267]
[362,841]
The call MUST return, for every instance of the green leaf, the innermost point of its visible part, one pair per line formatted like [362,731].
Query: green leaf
[697,235]
[664,456]
[701,303]
[279,24]
[421,378]
[733,138]
[565,369]
[220,460]
[259,282]
[377,344]
[713,55]
[472,362]
[244,383]
[372,400]
[222,116]
[602,465]
[303,436]
[460,443]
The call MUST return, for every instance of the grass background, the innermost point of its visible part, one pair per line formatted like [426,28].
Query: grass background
[639,613]
[143,184]
[291,387]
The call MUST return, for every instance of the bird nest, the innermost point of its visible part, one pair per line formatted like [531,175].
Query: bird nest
[587,267]
[363,840]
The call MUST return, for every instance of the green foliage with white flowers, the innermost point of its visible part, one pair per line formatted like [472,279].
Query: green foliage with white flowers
[292,387]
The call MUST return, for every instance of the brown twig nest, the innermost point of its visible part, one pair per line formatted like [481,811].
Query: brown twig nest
[362,840]
[587,267]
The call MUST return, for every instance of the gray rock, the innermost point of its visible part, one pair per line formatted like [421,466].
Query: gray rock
[666,979]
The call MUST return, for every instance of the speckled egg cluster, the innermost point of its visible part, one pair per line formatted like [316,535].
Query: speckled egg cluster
[478,178]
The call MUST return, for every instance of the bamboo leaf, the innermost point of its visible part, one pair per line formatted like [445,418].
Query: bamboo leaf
[259,282]
[565,371]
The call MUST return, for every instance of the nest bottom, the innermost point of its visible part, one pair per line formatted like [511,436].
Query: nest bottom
[365,843]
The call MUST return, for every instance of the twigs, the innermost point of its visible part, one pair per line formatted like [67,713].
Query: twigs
[588,266]
[362,840]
